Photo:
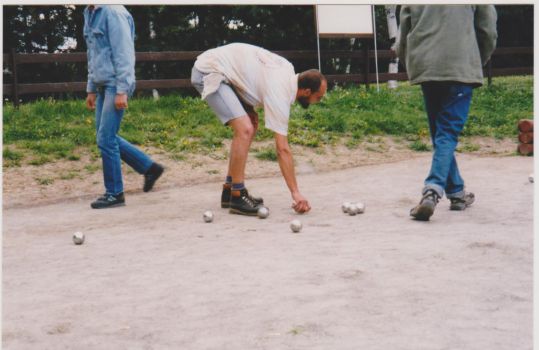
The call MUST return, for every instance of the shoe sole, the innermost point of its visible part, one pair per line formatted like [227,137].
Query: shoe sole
[153,184]
[226,205]
[109,206]
[423,213]
[460,206]
[239,212]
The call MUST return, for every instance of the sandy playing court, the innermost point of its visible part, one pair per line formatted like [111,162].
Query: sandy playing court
[153,275]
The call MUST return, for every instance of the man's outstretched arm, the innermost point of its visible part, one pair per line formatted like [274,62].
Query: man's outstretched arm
[286,163]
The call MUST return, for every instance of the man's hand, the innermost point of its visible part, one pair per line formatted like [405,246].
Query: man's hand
[300,205]
[120,101]
[90,101]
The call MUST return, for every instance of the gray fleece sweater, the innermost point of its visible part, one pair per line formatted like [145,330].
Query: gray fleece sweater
[446,42]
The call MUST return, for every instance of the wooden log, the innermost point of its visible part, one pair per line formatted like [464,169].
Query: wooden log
[525,125]
[525,137]
[525,149]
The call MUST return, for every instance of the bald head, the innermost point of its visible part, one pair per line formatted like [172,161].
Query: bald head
[312,86]
[310,79]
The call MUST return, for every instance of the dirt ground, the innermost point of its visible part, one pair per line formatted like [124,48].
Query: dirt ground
[67,180]
[153,275]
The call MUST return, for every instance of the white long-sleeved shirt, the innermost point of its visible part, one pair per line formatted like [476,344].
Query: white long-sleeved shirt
[261,78]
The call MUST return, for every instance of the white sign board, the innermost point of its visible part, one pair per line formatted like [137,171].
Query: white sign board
[344,21]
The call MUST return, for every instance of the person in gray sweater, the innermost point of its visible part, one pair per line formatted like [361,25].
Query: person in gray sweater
[444,48]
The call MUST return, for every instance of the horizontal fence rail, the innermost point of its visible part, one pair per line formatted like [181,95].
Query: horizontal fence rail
[16,89]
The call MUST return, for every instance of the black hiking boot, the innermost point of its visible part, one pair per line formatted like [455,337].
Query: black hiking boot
[109,201]
[241,203]
[424,210]
[225,197]
[151,176]
[463,202]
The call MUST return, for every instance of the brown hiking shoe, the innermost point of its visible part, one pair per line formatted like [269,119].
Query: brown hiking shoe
[463,202]
[424,210]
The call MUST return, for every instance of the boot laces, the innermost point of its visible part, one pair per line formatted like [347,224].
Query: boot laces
[248,199]
[432,196]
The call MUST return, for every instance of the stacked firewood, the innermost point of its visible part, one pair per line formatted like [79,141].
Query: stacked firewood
[525,137]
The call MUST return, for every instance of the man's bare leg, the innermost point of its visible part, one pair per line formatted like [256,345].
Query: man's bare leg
[239,149]
[253,118]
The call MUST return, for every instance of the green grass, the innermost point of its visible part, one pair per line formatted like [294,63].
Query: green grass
[468,147]
[46,130]
[12,157]
[44,181]
[92,168]
[267,154]
[40,160]
[420,146]
[68,175]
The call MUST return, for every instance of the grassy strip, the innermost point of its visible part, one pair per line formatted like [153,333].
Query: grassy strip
[46,130]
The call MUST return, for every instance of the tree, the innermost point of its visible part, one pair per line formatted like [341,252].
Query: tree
[36,29]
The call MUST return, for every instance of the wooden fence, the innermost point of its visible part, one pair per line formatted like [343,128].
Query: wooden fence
[15,60]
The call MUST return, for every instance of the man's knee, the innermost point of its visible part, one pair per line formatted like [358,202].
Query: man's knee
[248,132]
[244,130]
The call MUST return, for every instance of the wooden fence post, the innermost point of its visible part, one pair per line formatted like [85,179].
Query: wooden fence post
[366,58]
[15,91]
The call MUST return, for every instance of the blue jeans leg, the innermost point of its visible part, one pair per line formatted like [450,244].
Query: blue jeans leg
[447,106]
[108,120]
[114,148]
[134,157]
[455,183]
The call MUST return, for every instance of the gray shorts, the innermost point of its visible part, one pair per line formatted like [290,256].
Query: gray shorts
[224,102]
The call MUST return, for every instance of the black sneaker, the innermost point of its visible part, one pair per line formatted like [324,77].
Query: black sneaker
[463,202]
[109,201]
[241,203]
[424,210]
[225,197]
[151,176]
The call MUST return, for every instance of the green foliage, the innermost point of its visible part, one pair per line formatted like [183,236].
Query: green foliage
[468,147]
[92,168]
[49,129]
[267,154]
[40,160]
[12,157]
[44,181]
[496,109]
[69,175]
[420,146]
[33,29]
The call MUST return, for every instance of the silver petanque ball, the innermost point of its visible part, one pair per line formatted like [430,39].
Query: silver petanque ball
[360,207]
[263,212]
[208,216]
[530,177]
[296,225]
[345,207]
[78,238]
[353,210]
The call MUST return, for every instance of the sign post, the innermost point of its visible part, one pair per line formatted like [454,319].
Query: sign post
[347,21]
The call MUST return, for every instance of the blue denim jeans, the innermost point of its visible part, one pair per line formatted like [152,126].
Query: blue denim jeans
[447,105]
[114,148]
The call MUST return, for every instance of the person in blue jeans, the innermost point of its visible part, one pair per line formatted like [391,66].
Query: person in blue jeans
[444,48]
[110,33]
